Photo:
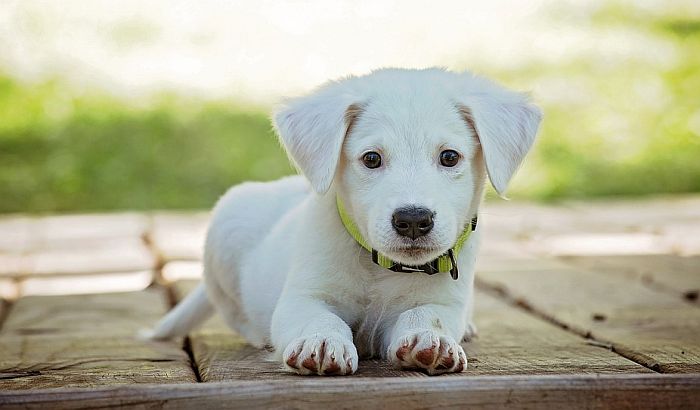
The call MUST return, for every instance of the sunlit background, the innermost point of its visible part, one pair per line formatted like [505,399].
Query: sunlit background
[164,104]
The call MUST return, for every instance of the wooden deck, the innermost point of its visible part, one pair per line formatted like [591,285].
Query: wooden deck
[583,305]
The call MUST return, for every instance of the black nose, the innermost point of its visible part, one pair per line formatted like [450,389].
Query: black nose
[412,222]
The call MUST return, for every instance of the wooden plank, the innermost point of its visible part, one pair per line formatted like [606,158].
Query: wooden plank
[671,273]
[87,340]
[68,231]
[13,265]
[682,239]
[39,361]
[178,236]
[99,256]
[497,262]
[109,314]
[661,225]
[73,245]
[646,213]
[596,244]
[9,290]
[15,233]
[522,219]
[650,391]
[86,283]
[182,270]
[653,328]
[510,342]
[4,310]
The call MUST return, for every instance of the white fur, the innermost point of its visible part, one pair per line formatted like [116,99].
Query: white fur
[187,315]
[281,268]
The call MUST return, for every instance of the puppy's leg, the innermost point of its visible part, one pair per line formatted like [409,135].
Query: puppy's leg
[470,331]
[312,338]
[425,338]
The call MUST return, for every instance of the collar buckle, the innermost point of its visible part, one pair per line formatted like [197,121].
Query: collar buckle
[454,272]
[429,268]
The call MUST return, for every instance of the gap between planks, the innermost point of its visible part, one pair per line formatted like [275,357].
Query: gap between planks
[147,237]
[87,340]
[186,342]
[503,294]
[5,307]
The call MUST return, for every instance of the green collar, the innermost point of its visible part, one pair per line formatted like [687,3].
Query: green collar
[444,263]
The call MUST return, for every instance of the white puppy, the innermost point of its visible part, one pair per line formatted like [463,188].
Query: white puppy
[335,266]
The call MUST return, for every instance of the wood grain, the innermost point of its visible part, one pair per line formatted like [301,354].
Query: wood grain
[650,391]
[653,328]
[87,340]
[510,342]
[39,361]
[108,314]
[670,273]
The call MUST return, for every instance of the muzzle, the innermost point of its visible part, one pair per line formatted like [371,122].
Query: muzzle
[446,262]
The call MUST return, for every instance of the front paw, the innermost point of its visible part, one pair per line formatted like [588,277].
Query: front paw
[329,355]
[428,351]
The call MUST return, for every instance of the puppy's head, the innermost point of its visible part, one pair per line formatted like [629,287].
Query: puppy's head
[407,151]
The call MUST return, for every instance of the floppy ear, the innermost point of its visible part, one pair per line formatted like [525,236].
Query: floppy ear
[506,124]
[313,128]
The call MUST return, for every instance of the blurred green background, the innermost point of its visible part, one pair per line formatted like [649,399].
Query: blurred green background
[627,127]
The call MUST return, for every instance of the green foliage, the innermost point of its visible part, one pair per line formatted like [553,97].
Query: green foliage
[618,126]
[625,126]
[96,153]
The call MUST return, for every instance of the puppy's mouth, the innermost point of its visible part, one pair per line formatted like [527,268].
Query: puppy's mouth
[414,250]
[413,254]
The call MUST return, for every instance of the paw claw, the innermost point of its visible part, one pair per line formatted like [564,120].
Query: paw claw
[446,363]
[317,355]
[292,360]
[310,364]
[429,352]
[333,368]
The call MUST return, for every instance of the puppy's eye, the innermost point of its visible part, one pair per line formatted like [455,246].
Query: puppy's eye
[372,160]
[449,158]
